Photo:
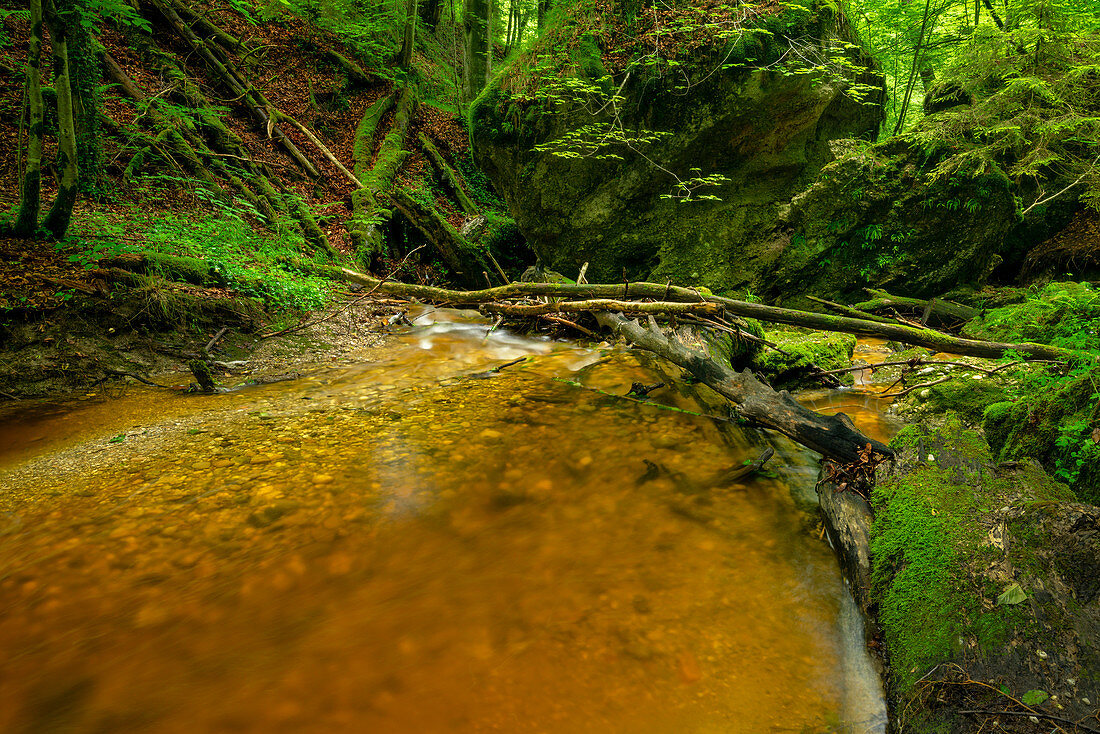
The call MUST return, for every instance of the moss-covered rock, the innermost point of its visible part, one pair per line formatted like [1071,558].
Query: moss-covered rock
[981,572]
[1058,427]
[800,351]
[724,109]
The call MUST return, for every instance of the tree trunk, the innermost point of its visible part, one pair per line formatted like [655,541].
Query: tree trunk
[26,221]
[61,212]
[404,59]
[465,260]
[449,174]
[431,11]
[833,436]
[476,24]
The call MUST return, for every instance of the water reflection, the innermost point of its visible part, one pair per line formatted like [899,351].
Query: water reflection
[411,545]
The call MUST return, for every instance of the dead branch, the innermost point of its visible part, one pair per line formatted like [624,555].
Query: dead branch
[733,475]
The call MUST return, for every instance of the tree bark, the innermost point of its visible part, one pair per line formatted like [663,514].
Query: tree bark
[943,309]
[409,36]
[61,212]
[475,21]
[26,221]
[462,257]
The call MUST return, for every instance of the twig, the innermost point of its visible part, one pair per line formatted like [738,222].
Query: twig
[567,322]
[217,337]
[499,367]
[1032,712]
[1059,193]
[139,378]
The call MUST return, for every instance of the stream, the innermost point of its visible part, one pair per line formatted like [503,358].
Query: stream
[417,544]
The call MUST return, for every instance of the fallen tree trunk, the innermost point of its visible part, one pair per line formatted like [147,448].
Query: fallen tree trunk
[835,436]
[368,218]
[927,338]
[655,307]
[945,310]
[464,201]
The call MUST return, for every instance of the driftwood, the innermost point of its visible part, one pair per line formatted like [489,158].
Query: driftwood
[833,436]
[927,338]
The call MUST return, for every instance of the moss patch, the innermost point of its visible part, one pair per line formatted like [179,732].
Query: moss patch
[929,548]
[803,350]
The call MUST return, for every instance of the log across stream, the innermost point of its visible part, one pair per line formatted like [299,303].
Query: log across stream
[419,544]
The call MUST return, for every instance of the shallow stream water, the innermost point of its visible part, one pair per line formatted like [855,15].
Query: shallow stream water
[415,544]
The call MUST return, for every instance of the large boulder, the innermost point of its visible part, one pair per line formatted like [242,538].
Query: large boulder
[751,109]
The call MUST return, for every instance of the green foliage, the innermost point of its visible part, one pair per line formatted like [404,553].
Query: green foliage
[220,249]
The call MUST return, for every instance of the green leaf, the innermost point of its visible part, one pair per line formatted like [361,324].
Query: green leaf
[1012,595]
[1034,697]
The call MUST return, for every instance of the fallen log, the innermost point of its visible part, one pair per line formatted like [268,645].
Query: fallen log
[652,307]
[945,310]
[835,437]
[464,201]
[466,260]
[928,338]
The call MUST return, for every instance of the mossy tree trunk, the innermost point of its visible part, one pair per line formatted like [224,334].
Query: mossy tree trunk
[369,217]
[61,212]
[85,80]
[26,221]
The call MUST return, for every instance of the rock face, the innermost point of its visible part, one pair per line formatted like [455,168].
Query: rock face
[765,125]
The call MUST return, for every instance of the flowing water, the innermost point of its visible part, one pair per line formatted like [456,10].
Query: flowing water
[415,544]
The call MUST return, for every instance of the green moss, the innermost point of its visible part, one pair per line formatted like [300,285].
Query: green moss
[966,396]
[801,351]
[1053,424]
[1063,314]
[924,535]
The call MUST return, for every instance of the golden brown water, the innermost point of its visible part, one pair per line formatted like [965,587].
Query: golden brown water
[402,546]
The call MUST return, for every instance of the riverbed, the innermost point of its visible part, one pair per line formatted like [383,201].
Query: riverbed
[417,543]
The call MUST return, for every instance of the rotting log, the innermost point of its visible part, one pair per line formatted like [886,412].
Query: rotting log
[450,176]
[946,310]
[928,338]
[464,258]
[835,437]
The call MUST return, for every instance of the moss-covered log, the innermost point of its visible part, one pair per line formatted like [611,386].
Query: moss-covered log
[368,217]
[945,310]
